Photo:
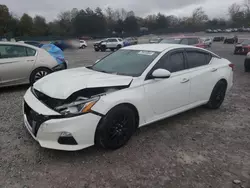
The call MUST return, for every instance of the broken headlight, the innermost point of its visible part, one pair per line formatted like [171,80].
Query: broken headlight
[78,107]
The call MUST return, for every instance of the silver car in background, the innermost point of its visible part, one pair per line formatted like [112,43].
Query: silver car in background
[21,63]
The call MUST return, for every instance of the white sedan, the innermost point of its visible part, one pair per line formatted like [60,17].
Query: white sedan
[105,103]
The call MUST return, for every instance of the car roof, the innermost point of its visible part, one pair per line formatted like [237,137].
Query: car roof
[156,47]
[20,44]
[182,37]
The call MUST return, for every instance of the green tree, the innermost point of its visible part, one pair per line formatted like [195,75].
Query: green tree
[40,27]
[4,19]
[26,25]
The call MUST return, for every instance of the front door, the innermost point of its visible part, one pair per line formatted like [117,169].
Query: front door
[16,63]
[165,95]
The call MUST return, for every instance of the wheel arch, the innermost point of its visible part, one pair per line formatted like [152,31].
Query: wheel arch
[44,67]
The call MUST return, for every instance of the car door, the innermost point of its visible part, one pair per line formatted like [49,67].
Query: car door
[112,43]
[16,63]
[165,95]
[203,74]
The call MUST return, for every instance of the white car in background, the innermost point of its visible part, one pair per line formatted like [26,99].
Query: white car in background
[83,44]
[137,85]
[22,63]
[207,41]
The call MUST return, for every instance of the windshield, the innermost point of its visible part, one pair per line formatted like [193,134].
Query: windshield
[171,41]
[126,62]
[246,42]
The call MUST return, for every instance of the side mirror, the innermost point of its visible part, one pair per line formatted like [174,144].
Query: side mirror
[161,73]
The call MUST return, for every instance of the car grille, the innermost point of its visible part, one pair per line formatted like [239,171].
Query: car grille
[48,101]
[34,119]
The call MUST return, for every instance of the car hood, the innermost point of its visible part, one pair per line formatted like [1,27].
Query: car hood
[97,42]
[61,85]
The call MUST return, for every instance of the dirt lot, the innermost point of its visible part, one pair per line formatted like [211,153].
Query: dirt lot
[199,148]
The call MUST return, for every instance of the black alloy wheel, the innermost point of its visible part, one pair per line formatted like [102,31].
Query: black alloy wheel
[218,95]
[116,128]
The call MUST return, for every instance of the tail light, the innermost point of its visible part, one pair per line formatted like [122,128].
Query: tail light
[231,65]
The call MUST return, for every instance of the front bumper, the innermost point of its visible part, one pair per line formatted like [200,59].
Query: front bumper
[46,126]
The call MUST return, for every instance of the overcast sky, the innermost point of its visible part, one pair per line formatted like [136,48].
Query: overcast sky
[50,8]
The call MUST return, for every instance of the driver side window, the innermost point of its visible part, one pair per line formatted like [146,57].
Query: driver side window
[173,62]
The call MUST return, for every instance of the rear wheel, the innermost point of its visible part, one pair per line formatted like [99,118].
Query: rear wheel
[247,65]
[118,46]
[103,48]
[218,95]
[38,74]
[116,128]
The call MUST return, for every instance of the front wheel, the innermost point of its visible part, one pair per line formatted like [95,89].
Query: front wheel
[218,95]
[39,73]
[116,128]
[118,46]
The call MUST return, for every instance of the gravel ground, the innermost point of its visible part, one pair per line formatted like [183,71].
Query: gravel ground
[199,148]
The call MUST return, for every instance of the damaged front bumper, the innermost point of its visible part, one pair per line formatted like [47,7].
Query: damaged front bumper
[54,131]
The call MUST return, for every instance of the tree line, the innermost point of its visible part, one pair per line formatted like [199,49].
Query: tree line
[98,22]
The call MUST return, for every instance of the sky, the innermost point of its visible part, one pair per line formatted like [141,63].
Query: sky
[50,8]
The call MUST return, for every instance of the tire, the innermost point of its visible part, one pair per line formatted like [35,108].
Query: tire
[112,49]
[118,46]
[97,50]
[247,66]
[116,128]
[38,74]
[103,48]
[218,95]
[83,46]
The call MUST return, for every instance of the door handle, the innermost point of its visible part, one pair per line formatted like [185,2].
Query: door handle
[184,80]
[213,70]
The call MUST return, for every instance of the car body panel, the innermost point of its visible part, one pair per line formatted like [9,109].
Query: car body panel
[82,78]
[154,99]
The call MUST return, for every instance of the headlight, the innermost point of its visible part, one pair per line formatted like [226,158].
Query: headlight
[77,107]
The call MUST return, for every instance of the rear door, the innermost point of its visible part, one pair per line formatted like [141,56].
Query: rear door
[16,63]
[112,43]
[203,74]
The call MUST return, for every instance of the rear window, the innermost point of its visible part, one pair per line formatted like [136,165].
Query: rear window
[171,41]
[192,41]
[197,59]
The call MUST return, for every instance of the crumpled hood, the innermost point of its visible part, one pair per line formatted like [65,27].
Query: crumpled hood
[62,84]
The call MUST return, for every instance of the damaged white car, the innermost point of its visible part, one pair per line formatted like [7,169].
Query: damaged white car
[105,103]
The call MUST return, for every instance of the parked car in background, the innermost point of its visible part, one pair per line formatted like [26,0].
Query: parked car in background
[128,41]
[231,40]
[83,44]
[243,47]
[218,39]
[228,30]
[209,31]
[135,40]
[207,41]
[187,40]
[63,45]
[219,30]
[105,103]
[247,63]
[155,40]
[22,63]
[33,43]
[109,43]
